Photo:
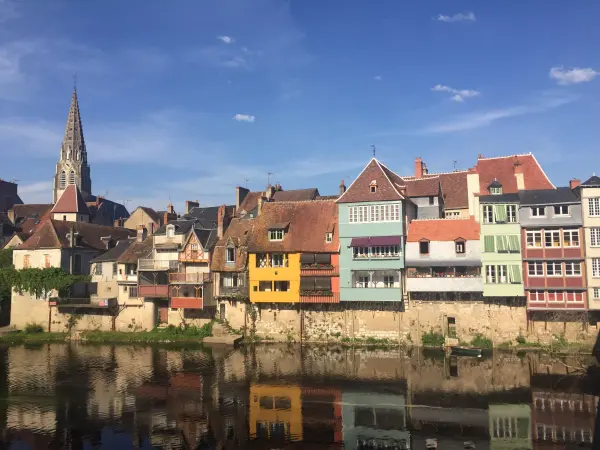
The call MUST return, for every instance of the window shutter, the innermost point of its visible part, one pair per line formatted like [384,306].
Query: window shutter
[513,243]
[500,211]
[515,274]
[323,258]
[323,283]
[501,243]
[307,283]
[488,242]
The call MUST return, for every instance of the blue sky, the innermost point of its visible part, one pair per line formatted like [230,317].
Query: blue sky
[186,99]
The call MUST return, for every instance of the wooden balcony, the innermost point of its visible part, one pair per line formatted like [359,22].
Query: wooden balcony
[187,302]
[189,277]
[153,290]
[83,302]
[157,264]
[319,270]
[319,297]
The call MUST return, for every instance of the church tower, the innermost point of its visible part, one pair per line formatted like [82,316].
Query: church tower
[72,166]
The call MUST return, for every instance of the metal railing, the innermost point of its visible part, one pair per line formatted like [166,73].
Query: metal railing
[157,264]
[189,277]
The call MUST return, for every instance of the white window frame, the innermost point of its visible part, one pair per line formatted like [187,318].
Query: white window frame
[552,234]
[594,207]
[363,281]
[488,213]
[374,213]
[511,213]
[595,237]
[537,211]
[276,235]
[596,293]
[560,209]
[170,231]
[554,269]
[568,238]
[533,234]
[535,294]
[328,237]
[596,267]
[279,263]
[227,259]
[559,296]
[538,268]
[460,247]
[502,271]
[572,269]
[573,296]
[491,275]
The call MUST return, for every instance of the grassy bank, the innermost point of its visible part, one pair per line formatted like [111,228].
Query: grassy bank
[21,337]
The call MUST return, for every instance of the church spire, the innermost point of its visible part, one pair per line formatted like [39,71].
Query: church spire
[73,145]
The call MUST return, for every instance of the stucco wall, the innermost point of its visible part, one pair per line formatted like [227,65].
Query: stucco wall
[590,252]
[139,217]
[443,251]
[574,219]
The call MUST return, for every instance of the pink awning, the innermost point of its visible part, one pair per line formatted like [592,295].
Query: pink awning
[375,240]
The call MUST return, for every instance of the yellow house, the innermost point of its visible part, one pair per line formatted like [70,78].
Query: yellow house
[275,412]
[274,277]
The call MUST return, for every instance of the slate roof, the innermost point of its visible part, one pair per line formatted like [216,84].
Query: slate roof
[207,238]
[308,223]
[388,185]
[443,229]
[503,169]
[559,195]
[136,250]
[108,212]
[295,195]
[71,201]
[594,181]
[53,234]
[182,226]
[114,253]
[500,198]
[238,234]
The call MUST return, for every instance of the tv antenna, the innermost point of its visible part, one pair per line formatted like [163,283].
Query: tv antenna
[269,178]
[374,150]
[455,161]
[246,181]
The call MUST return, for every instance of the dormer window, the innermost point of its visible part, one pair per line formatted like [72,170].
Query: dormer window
[460,246]
[276,235]
[495,187]
[373,186]
[170,231]
[424,247]
[230,254]
[328,238]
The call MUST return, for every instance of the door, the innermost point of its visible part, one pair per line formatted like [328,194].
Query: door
[222,311]
[163,314]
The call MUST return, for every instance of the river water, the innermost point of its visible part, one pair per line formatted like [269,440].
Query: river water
[83,396]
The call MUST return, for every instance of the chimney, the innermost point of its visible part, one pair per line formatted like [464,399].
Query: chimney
[142,232]
[240,195]
[419,166]
[259,206]
[519,176]
[99,200]
[151,227]
[120,223]
[189,205]
[169,214]
[170,208]
[575,182]
[220,221]
[269,192]
[342,187]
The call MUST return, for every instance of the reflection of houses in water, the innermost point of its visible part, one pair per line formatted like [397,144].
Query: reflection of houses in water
[322,415]
[373,421]
[510,427]
[275,412]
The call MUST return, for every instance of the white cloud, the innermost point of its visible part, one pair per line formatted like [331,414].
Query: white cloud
[575,75]
[460,17]
[226,39]
[244,118]
[459,94]
[377,78]
[36,192]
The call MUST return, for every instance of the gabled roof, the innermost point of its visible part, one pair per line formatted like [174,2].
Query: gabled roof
[453,186]
[135,251]
[54,234]
[388,185]
[114,253]
[503,169]
[560,195]
[309,221]
[154,215]
[30,211]
[71,201]
[295,195]
[237,234]
[209,214]
[108,212]
[594,181]
[443,230]
[250,202]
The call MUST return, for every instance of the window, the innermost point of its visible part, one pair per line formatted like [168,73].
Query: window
[501,244]
[231,280]
[555,296]
[495,190]
[596,294]
[63,180]
[511,213]
[328,238]
[133,291]
[451,327]
[77,263]
[373,188]
[230,254]
[424,247]
[265,286]
[388,281]
[276,235]
[491,274]
[573,296]
[64,218]
[278,260]
[47,264]
[114,269]
[500,213]
[573,269]
[98,268]
[72,177]
[374,213]
[594,207]
[383,251]
[595,237]
[561,210]
[431,200]
[552,238]
[26,262]
[489,244]
[535,268]
[502,274]
[514,246]
[571,238]
[363,281]
[282,286]
[361,252]
[538,211]
[537,296]
[170,231]
[488,214]
[553,269]
[460,247]
[596,267]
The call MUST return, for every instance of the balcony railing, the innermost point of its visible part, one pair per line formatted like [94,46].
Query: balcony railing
[151,290]
[189,277]
[157,264]
[127,277]
[318,270]
[83,302]
[319,296]
[230,292]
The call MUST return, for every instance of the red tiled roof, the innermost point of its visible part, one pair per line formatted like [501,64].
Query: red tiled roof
[250,202]
[388,185]
[308,223]
[237,233]
[71,201]
[503,169]
[53,234]
[443,230]
[28,210]
[423,187]
[454,187]
[136,251]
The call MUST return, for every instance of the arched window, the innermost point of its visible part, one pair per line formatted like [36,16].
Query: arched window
[72,177]
[63,179]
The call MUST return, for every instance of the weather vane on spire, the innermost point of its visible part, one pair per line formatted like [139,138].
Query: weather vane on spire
[374,149]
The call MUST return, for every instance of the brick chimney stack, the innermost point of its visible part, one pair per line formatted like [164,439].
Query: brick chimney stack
[342,188]
[420,168]
[240,195]
[142,233]
[169,214]
[575,182]
[189,205]
[220,221]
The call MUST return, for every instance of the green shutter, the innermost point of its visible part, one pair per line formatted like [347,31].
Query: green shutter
[515,274]
[488,242]
[500,211]
[501,243]
[513,243]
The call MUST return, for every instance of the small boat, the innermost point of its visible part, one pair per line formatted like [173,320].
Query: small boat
[431,443]
[469,445]
[466,351]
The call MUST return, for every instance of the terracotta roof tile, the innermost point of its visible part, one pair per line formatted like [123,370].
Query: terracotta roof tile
[136,251]
[250,202]
[453,185]
[503,169]
[27,211]
[71,201]
[443,230]
[309,221]
[423,187]
[388,185]
[237,233]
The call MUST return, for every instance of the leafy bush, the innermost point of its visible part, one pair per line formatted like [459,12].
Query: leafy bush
[433,339]
[33,328]
[482,342]
[521,339]
[186,330]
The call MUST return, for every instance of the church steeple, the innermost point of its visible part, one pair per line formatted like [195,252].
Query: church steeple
[72,166]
